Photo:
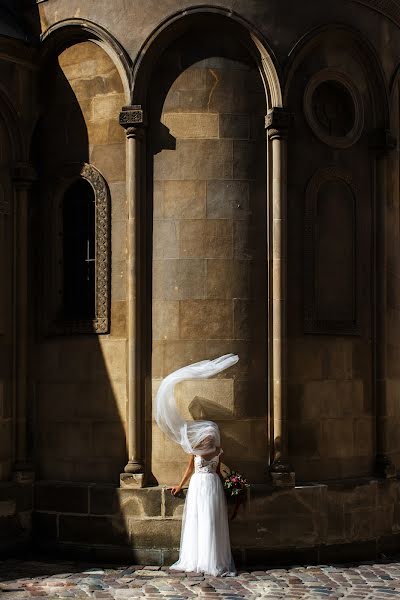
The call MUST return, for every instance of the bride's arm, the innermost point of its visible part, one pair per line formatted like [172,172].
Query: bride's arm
[189,470]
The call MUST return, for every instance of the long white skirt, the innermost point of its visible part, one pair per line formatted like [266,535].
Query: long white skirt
[205,544]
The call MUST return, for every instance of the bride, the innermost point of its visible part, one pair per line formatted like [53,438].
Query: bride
[205,544]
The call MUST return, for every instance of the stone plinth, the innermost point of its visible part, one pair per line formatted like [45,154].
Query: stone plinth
[312,523]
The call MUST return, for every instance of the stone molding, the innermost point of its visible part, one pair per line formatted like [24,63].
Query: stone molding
[100,324]
[311,322]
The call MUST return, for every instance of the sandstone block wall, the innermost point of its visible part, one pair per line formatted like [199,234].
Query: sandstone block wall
[391,410]
[314,523]
[80,381]
[330,371]
[16,505]
[209,245]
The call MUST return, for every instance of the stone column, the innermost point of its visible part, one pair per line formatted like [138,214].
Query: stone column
[277,124]
[382,142]
[131,119]
[23,177]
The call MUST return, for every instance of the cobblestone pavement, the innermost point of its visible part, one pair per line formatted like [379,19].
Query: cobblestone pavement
[31,579]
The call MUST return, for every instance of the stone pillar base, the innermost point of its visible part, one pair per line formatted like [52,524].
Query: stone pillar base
[23,472]
[283,480]
[24,476]
[385,468]
[131,480]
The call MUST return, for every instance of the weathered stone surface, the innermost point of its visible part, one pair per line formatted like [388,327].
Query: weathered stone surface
[110,160]
[227,279]
[155,534]
[61,497]
[165,319]
[193,125]
[45,526]
[184,199]
[174,505]
[227,199]
[133,503]
[207,239]
[178,280]
[214,319]
[213,159]
[92,529]
[166,236]
[234,126]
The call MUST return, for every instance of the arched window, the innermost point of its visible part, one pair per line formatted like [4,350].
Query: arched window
[77,286]
[79,251]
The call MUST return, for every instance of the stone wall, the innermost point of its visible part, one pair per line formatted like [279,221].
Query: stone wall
[313,523]
[209,244]
[6,311]
[80,380]
[16,503]
[330,369]
[391,408]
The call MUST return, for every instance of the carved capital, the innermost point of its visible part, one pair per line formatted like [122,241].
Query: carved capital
[382,141]
[131,118]
[23,175]
[277,123]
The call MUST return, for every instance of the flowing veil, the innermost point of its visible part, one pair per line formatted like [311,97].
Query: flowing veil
[200,435]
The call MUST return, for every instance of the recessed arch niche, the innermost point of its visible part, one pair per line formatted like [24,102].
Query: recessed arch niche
[7,340]
[333,253]
[208,190]
[78,137]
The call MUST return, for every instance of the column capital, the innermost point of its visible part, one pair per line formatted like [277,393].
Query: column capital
[277,123]
[23,175]
[382,141]
[131,118]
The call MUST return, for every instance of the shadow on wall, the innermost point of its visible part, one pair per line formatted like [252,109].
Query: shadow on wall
[206,246]
[78,376]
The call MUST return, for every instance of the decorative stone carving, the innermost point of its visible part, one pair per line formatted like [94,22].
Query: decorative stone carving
[333,108]
[102,206]
[131,116]
[323,312]
[277,123]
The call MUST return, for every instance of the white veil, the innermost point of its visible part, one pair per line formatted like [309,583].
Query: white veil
[195,437]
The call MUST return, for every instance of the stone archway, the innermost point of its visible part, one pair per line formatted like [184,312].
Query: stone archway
[134,119]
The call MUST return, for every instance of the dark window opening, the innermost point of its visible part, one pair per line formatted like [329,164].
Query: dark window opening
[79,252]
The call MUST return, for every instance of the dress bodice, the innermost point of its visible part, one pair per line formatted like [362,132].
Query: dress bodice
[202,465]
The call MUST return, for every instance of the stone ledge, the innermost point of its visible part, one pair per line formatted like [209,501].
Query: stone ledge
[317,515]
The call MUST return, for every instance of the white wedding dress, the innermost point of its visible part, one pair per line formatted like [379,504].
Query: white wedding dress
[205,544]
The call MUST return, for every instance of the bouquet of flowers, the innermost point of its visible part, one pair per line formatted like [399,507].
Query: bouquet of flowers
[235,486]
[235,483]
